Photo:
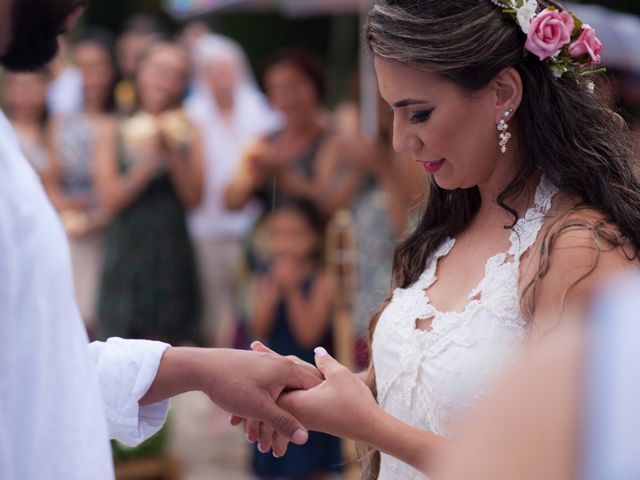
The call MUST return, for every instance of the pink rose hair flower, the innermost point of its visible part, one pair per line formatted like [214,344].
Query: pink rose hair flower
[559,39]
[549,32]
[587,44]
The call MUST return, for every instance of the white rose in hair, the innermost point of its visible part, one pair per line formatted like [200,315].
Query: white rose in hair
[526,14]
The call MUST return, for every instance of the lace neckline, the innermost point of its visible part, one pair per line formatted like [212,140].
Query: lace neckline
[523,236]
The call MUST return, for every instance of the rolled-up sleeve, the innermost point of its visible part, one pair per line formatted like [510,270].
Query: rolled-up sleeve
[126,369]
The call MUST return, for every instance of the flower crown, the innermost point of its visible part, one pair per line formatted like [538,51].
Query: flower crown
[557,37]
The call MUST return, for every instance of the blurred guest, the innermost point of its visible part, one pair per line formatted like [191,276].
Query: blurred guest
[379,186]
[292,314]
[229,109]
[70,177]
[24,96]
[65,90]
[149,172]
[192,33]
[139,33]
[290,161]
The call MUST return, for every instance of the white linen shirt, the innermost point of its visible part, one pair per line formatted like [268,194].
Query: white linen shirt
[60,399]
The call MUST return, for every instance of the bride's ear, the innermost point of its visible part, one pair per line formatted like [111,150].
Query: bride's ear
[507,87]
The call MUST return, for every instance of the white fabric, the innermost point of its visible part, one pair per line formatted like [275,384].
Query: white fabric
[611,408]
[126,369]
[52,420]
[65,96]
[429,378]
[225,142]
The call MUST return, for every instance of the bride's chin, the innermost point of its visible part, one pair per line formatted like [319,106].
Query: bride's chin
[446,183]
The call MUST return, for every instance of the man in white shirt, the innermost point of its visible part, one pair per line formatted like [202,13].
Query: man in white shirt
[60,399]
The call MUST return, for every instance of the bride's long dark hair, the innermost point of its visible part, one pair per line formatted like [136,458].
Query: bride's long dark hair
[581,145]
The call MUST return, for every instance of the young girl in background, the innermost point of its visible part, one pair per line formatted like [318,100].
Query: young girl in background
[292,315]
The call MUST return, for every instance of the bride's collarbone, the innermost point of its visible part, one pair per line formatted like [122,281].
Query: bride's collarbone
[460,272]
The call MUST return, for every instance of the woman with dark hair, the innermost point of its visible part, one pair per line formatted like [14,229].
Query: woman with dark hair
[533,201]
[25,100]
[69,178]
[149,172]
[291,161]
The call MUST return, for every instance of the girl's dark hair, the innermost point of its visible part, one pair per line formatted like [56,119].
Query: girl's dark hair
[303,60]
[568,133]
[103,39]
[311,214]
[303,207]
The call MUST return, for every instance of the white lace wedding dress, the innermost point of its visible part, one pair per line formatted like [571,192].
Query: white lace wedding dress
[429,378]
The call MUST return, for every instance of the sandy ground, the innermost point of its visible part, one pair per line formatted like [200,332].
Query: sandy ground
[204,442]
[207,446]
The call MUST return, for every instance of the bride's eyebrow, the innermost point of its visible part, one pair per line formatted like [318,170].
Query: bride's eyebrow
[409,101]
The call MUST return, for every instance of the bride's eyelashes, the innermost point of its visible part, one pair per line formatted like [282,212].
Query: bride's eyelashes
[420,117]
[417,117]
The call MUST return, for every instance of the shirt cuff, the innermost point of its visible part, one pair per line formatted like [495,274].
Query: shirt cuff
[126,369]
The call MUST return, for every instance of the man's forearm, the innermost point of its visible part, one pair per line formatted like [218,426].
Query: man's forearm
[180,371]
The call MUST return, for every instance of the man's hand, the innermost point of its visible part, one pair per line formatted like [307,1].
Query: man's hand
[246,384]
[257,431]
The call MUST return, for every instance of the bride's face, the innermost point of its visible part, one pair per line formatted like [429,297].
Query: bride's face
[452,133]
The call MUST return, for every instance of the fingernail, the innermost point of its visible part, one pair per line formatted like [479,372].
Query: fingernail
[231,421]
[246,437]
[300,437]
[321,352]
[275,455]
[262,449]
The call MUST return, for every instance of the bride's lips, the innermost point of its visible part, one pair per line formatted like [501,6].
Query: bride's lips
[432,167]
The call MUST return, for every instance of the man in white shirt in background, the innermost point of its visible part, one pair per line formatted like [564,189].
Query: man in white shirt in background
[60,399]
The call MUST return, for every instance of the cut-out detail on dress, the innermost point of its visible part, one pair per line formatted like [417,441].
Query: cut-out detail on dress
[424,324]
[429,378]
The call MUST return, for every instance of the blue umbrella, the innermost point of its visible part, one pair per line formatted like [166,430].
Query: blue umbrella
[188,8]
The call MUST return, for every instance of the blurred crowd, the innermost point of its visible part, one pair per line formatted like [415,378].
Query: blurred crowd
[196,194]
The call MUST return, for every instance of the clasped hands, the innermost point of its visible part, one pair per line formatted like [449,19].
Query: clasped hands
[277,399]
[338,403]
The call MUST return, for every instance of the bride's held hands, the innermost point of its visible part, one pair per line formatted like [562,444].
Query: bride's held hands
[342,406]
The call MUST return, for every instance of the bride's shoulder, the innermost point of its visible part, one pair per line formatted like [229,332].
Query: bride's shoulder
[572,224]
[569,220]
[579,248]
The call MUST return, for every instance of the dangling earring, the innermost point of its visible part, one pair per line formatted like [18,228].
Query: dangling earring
[503,126]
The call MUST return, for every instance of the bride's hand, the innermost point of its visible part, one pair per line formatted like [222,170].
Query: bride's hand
[342,405]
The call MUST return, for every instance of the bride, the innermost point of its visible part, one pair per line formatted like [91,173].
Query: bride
[532,202]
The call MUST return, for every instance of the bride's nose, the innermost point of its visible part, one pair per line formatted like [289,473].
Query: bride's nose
[408,143]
